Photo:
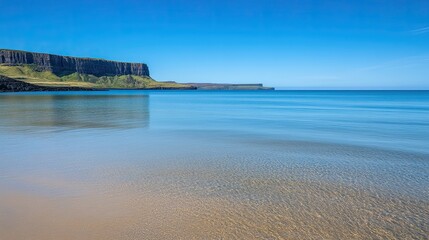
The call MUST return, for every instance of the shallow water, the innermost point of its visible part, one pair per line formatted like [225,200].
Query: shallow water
[210,165]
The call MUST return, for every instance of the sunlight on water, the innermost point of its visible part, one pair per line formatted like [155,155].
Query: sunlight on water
[210,165]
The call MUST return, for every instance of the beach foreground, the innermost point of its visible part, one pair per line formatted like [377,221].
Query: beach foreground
[210,165]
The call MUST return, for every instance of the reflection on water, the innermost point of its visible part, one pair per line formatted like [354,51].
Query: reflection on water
[214,165]
[70,112]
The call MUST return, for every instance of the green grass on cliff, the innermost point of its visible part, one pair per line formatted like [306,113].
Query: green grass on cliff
[26,72]
[30,74]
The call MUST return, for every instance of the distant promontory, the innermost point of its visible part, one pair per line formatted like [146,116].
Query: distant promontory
[42,71]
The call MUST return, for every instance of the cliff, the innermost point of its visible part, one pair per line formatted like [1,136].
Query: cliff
[63,65]
[30,71]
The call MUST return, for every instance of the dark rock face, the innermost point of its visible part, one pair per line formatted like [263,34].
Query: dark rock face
[12,85]
[62,65]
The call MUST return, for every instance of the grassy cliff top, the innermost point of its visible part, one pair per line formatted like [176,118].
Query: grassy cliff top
[29,74]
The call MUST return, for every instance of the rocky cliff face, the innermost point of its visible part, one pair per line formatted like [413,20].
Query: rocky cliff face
[62,65]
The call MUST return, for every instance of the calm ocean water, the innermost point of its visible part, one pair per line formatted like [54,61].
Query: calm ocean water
[214,164]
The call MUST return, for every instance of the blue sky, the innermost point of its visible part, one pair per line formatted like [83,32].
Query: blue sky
[296,44]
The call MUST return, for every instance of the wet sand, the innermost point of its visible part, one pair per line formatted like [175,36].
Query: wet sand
[194,200]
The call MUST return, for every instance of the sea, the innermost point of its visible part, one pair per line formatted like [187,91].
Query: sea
[140,164]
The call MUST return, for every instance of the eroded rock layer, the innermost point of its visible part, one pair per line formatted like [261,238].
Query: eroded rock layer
[63,65]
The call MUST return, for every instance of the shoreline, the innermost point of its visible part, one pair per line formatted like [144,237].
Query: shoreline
[8,84]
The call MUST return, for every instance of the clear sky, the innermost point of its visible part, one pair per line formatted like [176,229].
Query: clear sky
[295,44]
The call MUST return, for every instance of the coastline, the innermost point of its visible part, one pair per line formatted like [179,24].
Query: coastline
[23,71]
[12,85]
[8,84]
